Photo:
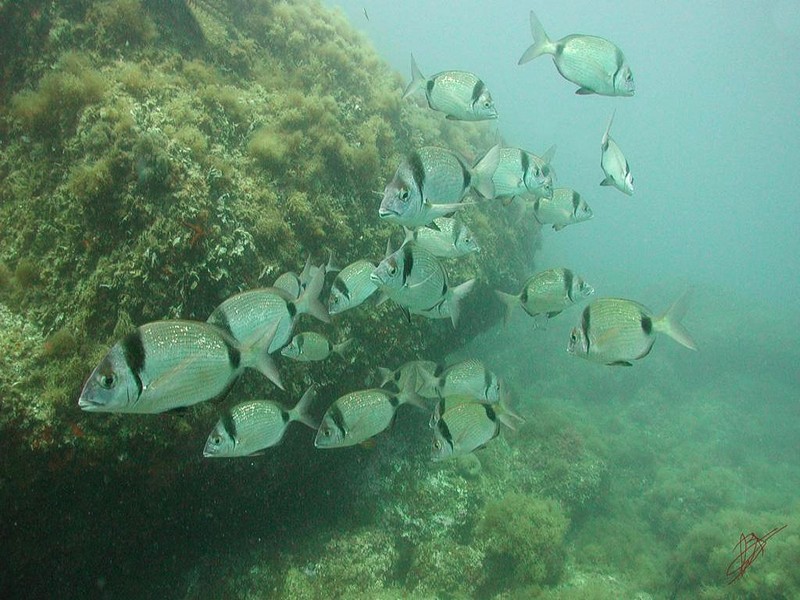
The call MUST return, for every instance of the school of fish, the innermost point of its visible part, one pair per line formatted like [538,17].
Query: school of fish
[172,364]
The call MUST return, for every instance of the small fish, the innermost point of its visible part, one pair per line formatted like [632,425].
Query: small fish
[461,95]
[449,306]
[431,182]
[564,208]
[171,364]
[358,416]
[592,63]
[250,427]
[295,284]
[616,168]
[614,331]
[248,315]
[351,287]
[548,293]
[402,376]
[312,346]
[520,173]
[462,425]
[448,238]
[469,378]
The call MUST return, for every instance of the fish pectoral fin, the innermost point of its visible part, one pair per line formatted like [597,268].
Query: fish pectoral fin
[607,181]
[584,91]
[406,313]
[620,363]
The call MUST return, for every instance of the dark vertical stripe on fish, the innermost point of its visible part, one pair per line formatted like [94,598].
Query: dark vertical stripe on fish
[394,401]
[290,306]
[220,319]
[585,319]
[568,277]
[234,356]
[135,356]
[487,382]
[338,420]
[477,90]
[408,262]
[229,424]
[490,412]
[441,425]
[576,202]
[525,163]
[647,324]
[341,287]
[417,172]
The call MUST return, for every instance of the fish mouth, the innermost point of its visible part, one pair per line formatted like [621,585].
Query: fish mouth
[89,405]
[387,212]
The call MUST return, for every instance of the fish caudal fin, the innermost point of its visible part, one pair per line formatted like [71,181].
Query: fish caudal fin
[309,302]
[670,322]
[510,301]
[459,292]
[541,43]
[342,347]
[607,134]
[384,376]
[417,79]
[300,410]
[257,356]
[483,171]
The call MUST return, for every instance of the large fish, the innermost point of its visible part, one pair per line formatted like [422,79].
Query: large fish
[592,63]
[351,287]
[564,208]
[249,315]
[520,173]
[547,293]
[460,95]
[431,182]
[358,416]
[615,166]
[614,331]
[250,427]
[170,364]
[468,378]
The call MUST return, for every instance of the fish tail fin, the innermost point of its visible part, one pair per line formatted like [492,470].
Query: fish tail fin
[606,135]
[483,171]
[541,42]
[332,266]
[459,292]
[409,395]
[300,410]
[510,301]
[257,356]
[384,376]
[417,79]
[670,322]
[409,236]
[309,301]
[342,347]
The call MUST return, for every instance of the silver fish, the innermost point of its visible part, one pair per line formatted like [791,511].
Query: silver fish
[462,425]
[312,346]
[402,377]
[351,287]
[469,378]
[449,306]
[358,416]
[564,208]
[592,63]
[170,364]
[295,284]
[614,331]
[248,315]
[250,427]
[460,95]
[616,168]
[520,173]
[448,238]
[547,293]
[431,182]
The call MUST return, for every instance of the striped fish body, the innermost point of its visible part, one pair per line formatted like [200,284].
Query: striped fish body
[551,291]
[411,372]
[247,428]
[161,366]
[356,417]
[448,238]
[412,277]
[290,283]
[462,426]
[613,331]
[614,164]
[308,346]
[249,316]
[564,208]
[470,378]
[351,287]
[522,173]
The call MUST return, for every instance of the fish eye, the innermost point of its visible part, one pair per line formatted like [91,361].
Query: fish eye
[326,431]
[216,440]
[107,380]
[437,445]
[404,195]
[392,270]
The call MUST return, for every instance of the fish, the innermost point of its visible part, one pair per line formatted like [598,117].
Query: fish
[615,331]
[312,346]
[351,287]
[416,280]
[462,425]
[468,378]
[461,95]
[520,173]
[248,315]
[166,365]
[547,293]
[614,165]
[360,415]
[594,64]
[564,208]
[250,427]
[294,284]
[431,182]
[401,377]
[448,238]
